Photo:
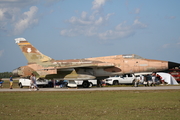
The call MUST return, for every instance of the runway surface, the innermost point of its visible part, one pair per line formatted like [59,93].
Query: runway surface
[95,89]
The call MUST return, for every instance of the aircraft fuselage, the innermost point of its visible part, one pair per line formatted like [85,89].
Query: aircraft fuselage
[87,68]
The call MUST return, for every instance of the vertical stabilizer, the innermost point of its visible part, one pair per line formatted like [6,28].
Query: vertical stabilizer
[30,52]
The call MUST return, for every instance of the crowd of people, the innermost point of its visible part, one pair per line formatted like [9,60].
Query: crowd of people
[146,80]
[32,85]
[149,80]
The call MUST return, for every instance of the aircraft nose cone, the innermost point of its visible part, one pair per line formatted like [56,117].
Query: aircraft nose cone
[173,65]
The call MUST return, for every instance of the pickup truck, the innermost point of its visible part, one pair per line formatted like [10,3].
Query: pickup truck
[121,79]
[26,82]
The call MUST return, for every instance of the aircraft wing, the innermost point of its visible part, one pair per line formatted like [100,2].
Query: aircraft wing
[79,65]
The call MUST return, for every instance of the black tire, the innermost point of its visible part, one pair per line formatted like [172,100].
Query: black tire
[85,84]
[20,85]
[115,82]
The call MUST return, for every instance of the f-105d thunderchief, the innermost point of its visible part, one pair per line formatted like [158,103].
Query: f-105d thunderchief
[87,68]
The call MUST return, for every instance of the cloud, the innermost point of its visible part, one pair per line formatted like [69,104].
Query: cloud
[170,17]
[112,34]
[14,17]
[171,45]
[139,24]
[165,46]
[97,4]
[28,19]
[13,20]
[17,3]
[96,24]
[120,31]
[86,30]
[75,20]
[94,28]
[85,25]
[83,15]
[137,10]
[1,52]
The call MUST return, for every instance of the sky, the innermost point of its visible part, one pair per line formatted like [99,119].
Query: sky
[75,29]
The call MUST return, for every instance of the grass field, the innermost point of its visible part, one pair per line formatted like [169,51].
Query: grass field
[90,105]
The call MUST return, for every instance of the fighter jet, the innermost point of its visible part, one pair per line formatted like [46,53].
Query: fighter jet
[87,68]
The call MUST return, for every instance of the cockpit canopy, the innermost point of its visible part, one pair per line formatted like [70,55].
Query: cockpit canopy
[130,56]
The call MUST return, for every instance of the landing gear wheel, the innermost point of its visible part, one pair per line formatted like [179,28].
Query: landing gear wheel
[85,84]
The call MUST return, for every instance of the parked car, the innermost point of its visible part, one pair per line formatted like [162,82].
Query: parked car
[74,83]
[86,83]
[26,82]
[121,79]
[71,83]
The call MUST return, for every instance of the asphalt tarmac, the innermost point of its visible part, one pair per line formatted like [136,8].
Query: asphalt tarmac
[164,87]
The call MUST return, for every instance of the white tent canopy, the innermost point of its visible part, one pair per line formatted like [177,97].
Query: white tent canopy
[168,78]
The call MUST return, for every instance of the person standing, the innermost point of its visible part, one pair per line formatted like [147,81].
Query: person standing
[145,80]
[160,79]
[33,81]
[1,82]
[136,81]
[154,78]
[11,82]
[149,77]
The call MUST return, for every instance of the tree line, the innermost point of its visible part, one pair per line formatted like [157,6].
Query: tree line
[5,74]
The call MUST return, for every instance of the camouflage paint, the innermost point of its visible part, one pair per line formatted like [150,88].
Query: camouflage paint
[87,68]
